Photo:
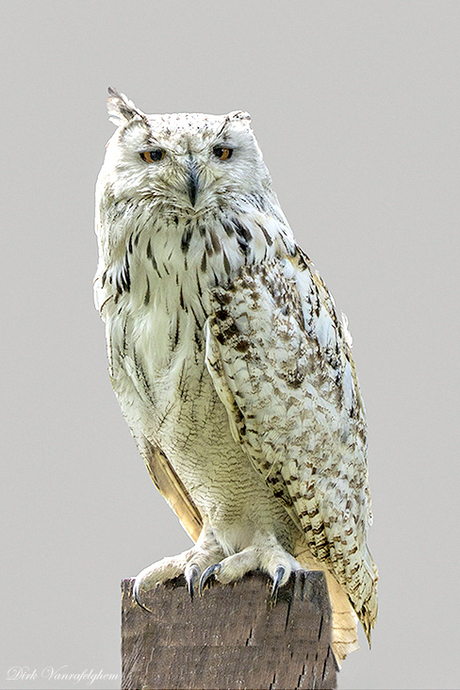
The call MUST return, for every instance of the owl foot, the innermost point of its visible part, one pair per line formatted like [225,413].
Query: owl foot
[189,564]
[274,561]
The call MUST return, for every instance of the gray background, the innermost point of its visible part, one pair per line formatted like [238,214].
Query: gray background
[355,105]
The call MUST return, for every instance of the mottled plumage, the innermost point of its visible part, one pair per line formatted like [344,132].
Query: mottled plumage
[230,364]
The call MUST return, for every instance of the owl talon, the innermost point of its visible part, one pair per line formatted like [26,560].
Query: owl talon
[136,596]
[279,574]
[192,575]
[209,572]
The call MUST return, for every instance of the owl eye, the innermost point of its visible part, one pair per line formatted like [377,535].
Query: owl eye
[222,152]
[153,156]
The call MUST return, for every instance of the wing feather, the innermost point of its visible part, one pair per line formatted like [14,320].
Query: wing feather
[170,486]
[282,366]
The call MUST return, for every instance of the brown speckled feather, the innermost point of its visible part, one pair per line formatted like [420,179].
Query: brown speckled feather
[289,384]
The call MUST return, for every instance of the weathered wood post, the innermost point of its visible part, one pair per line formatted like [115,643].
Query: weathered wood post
[231,637]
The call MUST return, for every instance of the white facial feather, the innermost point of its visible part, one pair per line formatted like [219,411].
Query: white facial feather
[183,136]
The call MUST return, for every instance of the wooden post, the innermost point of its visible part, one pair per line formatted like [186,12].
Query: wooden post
[231,637]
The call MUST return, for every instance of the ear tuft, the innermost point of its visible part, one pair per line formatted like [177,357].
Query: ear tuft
[239,115]
[121,109]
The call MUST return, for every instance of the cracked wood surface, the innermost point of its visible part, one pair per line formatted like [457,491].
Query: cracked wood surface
[230,638]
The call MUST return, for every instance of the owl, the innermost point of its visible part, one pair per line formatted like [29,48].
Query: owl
[230,363]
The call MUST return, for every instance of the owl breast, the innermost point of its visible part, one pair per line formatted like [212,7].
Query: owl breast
[157,355]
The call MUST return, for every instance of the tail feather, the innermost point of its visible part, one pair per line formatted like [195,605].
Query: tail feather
[344,619]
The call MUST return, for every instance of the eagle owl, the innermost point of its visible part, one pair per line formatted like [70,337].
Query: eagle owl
[229,362]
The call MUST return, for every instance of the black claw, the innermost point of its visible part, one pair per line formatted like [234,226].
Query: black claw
[279,574]
[136,596]
[192,575]
[209,572]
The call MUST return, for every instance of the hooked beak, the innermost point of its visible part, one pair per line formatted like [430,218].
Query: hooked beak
[192,182]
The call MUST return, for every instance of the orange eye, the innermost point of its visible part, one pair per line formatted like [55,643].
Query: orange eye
[153,156]
[222,153]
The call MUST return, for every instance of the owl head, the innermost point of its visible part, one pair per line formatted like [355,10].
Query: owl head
[187,162]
